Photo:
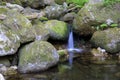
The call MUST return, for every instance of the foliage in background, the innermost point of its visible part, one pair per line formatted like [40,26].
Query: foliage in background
[80,3]
[110,2]
[105,26]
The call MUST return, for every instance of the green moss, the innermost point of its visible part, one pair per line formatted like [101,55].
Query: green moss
[110,2]
[3,10]
[39,51]
[17,2]
[57,29]
[80,3]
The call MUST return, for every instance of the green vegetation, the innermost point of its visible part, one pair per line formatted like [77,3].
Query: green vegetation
[105,26]
[79,3]
[109,2]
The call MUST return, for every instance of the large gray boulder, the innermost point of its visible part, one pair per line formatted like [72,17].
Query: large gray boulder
[95,13]
[31,3]
[19,24]
[108,39]
[9,41]
[41,33]
[55,11]
[37,56]
[14,29]
[58,29]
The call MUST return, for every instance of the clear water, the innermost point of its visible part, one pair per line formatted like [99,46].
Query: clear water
[71,46]
[81,70]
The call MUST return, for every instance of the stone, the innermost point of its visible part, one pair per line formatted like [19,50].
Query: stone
[93,14]
[1,77]
[107,39]
[41,32]
[54,11]
[2,16]
[9,41]
[58,29]
[20,25]
[37,56]
[14,7]
[4,61]
[8,71]
[37,3]
[33,13]
[68,16]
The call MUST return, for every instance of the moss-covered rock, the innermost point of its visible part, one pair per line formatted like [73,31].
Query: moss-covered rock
[37,3]
[55,11]
[9,41]
[41,32]
[37,56]
[107,39]
[94,13]
[58,29]
[4,61]
[20,25]
[60,1]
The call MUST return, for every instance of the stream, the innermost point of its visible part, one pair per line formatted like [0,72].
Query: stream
[81,70]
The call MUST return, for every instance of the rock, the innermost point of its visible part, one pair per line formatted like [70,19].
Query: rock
[20,25]
[8,71]
[107,39]
[58,29]
[33,13]
[13,1]
[60,1]
[64,54]
[37,3]
[54,11]
[41,32]
[37,56]
[68,17]
[10,42]
[3,69]
[14,7]
[11,71]
[1,77]
[99,52]
[2,16]
[31,3]
[95,13]
[4,61]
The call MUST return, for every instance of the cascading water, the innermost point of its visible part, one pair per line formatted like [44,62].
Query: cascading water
[70,46]
[71,49]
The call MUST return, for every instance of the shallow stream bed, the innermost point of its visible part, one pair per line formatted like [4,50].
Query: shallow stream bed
[81,70]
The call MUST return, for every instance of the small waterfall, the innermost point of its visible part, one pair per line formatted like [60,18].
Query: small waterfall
[71,46]
[71,49]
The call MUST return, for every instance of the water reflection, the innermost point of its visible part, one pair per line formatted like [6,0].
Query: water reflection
[79,71]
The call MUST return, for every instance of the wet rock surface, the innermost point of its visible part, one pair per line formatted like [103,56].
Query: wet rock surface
[37,56]
[107,39]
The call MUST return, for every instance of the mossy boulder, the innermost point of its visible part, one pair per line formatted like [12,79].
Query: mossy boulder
[31,3]
[58,29]
[95,13]
[37,56]
[19,24]
[9,41]
[41,32]
[60,1]
[55,11]
[108,39]
[37,3]
[4,61]
[12,1]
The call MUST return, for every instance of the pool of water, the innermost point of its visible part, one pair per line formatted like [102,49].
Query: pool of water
[80,70]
